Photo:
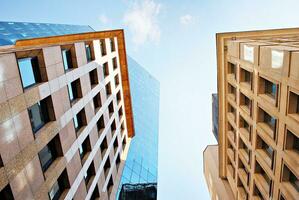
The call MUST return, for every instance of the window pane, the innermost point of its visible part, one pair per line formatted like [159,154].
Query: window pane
[67,59]
[54,192]
[36,117]
[26,70]
[45,156]
[76,124]
[88,53]
[71,95]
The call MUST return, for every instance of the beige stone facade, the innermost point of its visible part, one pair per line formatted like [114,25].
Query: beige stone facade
[102,108]
[258,90]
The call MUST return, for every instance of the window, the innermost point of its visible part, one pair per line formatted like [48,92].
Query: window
[246,78]
[269,90]
[289,176]
[108,89]
[107,166]
[245,128]
[89,51]
[244,171]
[268,122]
[79,120]
[101,124]
[103,47]
[115,145]
[122,128]
[114,62]
[104,146]
[112,44]
[118,97]
[50,152]
[116,80]
[110,185]
[232,111]
[93,76]
[111,109]
[124,142]
[292,143]
[246,104]
[29,70]
[6,193]
[68,57]
[41,113]
[266,151]
[257,193]
[97,101]
[74,90]
[106,69]
[84,148]
[232,70]
[231,132]
[117,161]
[120,112]
[264,178]
[294,104]
[245,151]
[95,194]
[232,92]
[89,173]
[59,186]
[113,126]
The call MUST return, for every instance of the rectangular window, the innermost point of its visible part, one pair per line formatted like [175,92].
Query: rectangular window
[50,152]
[232,70]
[117,162]
[292,142]
[30,71]
[245,128]
[116,80]
[93,76]
[266,151]
[59,186]
[80,120]
[289,176]
[232,92]
[267,122]
[112,44]
[269,90]
[110,185]
[84,148]
[89,173]
[246,104]
[89,51]
[104,146]
[257,193]
[232,112]
[114,62]
[264,178]
[74,90]
[106,69]
[120,112]
[293,105]
[113,126]
[103,47]
[101,124]
[107,167]
[124,142]
[97,101]
[67,59]
[115,145]
[108,89]
[111,108]
[118,97]
[246,78]
[95,194]
[41,113]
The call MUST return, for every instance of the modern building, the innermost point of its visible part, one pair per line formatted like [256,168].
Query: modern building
[142,159]
[66,115]
[258,94]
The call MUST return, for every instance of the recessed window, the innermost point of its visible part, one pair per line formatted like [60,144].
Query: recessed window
[269,90]
[246,78]
[110,185]
[89,173]
[245,128]
[289,176]
[246,104]
[266,151]
[244,171]
[104,146]
[292,143]
[124,142]
[106,69]
[93,76]
[116,80]
[231,151]
[245,151]
[101,125]
[118,97]
[282,197]
[112,44]
[79,120]
[232,70]
[117,161]
[230,168]
[232,92]
[59,186]
[6,193]
[113,126]
[41,113]
[84,148]
[257,193]
[264,178]
[115,145]
[294,104]
[231,132]
[89,51]
[267,122]
[68,57]
[114,62]
[103,47]
[242,194]
[122,128]
[120,112]
[74,90]
[107,166]
[97,101]
[95,194]
[111,109]
[108,89]
[232,112]
[50,152]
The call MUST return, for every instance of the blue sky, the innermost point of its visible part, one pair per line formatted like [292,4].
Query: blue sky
[175,41]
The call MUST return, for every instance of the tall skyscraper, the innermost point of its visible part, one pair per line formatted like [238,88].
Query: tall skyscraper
[258,92]
[142,160]
[65,111]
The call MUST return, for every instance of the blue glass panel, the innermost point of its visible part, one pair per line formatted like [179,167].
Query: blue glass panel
[76,124]
[26,71]
[142,160]
[64,58]
[10,32]
[69,88]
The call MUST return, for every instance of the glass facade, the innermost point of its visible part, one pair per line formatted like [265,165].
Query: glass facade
[142,160]
[10,32]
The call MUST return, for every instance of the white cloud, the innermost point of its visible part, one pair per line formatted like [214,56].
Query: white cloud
[186,19]
[142,21]
[104,19]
